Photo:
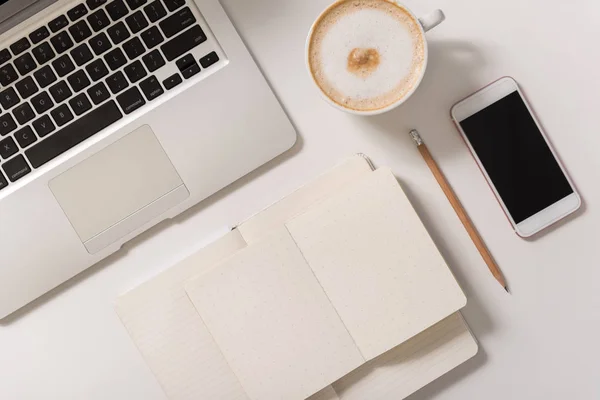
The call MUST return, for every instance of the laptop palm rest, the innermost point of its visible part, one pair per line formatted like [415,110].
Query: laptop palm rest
[119,189]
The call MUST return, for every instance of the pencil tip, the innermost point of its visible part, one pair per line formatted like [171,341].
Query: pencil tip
[506,288]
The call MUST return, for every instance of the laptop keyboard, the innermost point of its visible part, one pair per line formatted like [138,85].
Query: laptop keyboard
[83,71]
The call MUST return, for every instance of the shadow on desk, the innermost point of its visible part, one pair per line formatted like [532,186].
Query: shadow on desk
[450,378]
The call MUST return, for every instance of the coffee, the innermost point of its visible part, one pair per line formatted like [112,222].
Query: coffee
[366,55]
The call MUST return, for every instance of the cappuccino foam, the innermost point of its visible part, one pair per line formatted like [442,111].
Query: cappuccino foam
[366,54]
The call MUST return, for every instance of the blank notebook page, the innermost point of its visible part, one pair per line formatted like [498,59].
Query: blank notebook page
[175,343]
[273,322]
[377,263]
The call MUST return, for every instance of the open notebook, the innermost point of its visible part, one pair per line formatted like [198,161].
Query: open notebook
[378,322]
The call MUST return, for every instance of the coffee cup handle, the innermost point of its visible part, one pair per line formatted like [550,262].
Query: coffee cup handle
[432,20]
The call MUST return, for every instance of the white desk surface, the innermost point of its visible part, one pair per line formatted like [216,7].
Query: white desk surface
[541,342]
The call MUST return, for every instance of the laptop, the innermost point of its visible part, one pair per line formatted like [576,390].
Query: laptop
[117,115]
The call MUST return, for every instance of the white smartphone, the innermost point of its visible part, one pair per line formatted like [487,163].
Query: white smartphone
[515,157]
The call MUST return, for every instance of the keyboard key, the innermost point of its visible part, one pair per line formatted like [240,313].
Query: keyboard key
[8,147]
[151,88]
[62,115]
[115,59]
[117,10]
[44,76]
[58,23]
[60,92]
[134,48]
[209,59]
[42,102]
[188,66]
[24,113]
[25,137]
[185,62]
[135,71]
[43,126]
[20,46]
[118,33]
[80,104]
[173,5]
[8,75]
[81,54]
[9,98]
[153,60]
[97,70]
[155,11]
[177,22]
[63,65]
[98,93]
[16,168]
[133,4]
[4,56]
[3,181]
[183,43]
[39,34]
[26,87]
[131,100]
[43,53]
[61,42]
[93,4]
[7,124]
[78,81]
[98,20]
[77,12]
[25,64]
[73,134]
[80,31]
[152,37]
[190,71]
[136,22]
[172,81]
[100,44]
[117,82]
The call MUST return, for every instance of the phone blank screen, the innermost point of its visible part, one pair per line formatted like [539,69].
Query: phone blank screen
[516,157]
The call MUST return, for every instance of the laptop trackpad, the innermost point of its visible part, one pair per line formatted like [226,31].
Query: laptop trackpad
[119,189]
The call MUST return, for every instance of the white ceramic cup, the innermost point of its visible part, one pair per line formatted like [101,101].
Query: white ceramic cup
[426,23]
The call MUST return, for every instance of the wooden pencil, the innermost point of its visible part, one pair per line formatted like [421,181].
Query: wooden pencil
[459,209]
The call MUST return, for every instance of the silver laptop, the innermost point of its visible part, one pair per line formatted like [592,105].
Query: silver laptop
[116,115]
